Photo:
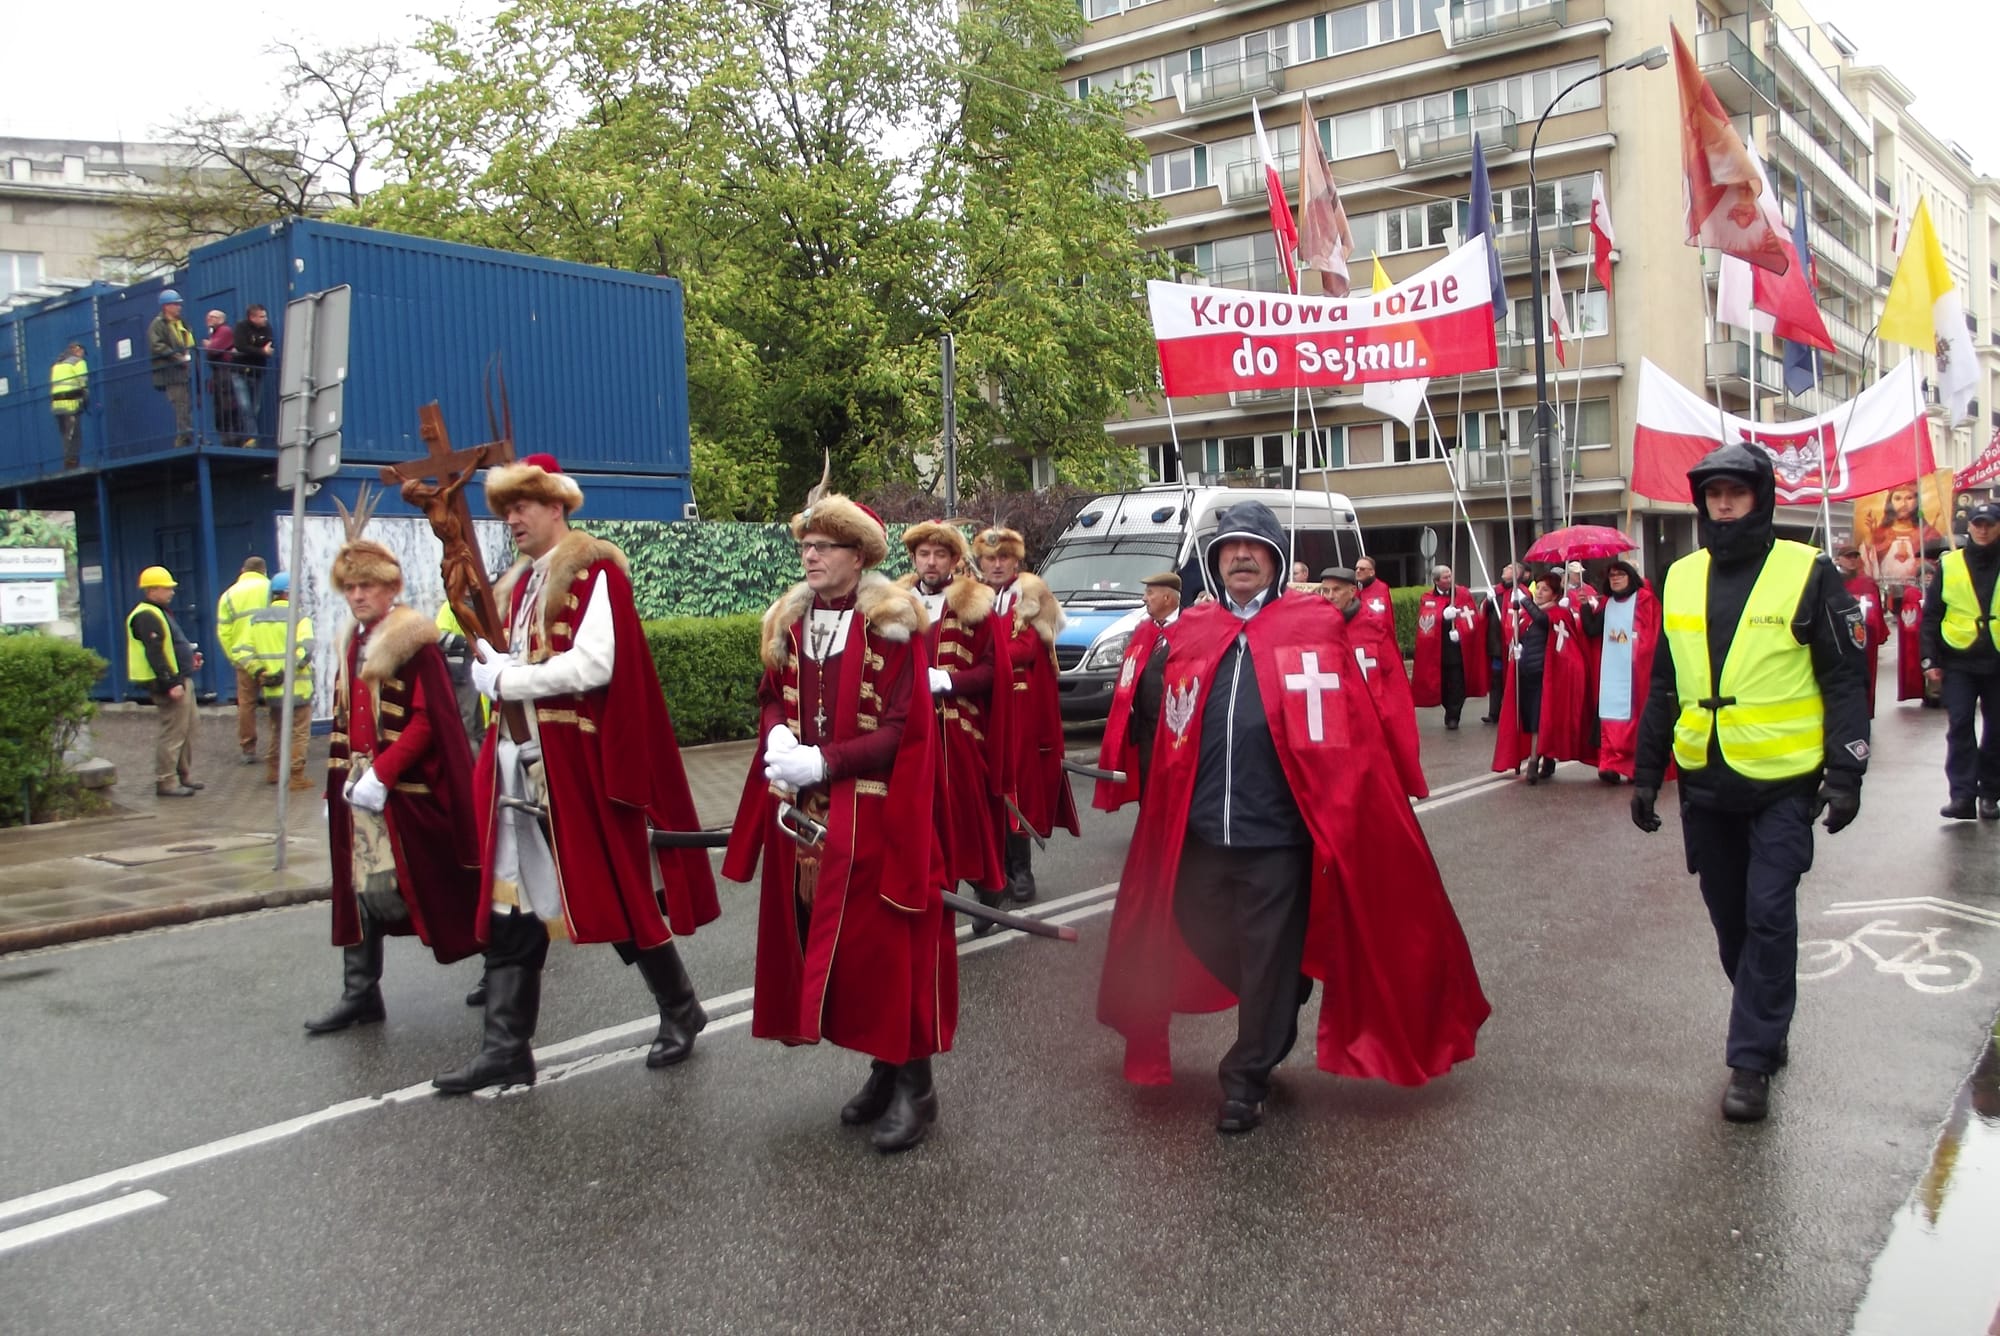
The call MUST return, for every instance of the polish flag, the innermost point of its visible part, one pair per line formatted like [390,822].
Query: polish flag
[1864,446]
[1281,211]
[1559,324]
[1602,239]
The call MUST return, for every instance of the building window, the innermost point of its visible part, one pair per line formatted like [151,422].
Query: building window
[1367,443]
[1163,462]
[1178,170]
[19,270]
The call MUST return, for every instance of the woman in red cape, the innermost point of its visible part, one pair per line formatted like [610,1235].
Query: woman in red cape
[1552,726]
[1402,1001]
[1626,628]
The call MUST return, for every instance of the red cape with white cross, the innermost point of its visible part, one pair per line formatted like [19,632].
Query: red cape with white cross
[1402,1001]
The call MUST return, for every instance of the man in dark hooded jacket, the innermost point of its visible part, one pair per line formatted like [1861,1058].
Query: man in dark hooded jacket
[1759,694]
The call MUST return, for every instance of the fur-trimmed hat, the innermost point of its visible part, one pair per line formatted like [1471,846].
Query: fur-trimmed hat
[534,478]
[999,542]
[938,532]
[366,561]
[845,521]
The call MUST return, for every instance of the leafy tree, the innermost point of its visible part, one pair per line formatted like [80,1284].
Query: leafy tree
[240,169]
[838,183]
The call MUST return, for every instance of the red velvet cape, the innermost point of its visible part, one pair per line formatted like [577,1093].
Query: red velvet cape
[972,737]
[614,773]
[427,765]
[1402,1001]
[1565,735]
[1869,595]
[879,973]
[1035,774]
[1427,683]
[1909,644]
[1380,660]
[1119,748]
[1618,739]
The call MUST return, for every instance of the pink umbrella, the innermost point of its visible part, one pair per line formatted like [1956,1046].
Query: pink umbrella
[1580,542]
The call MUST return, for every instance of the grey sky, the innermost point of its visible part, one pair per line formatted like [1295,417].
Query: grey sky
[138,61]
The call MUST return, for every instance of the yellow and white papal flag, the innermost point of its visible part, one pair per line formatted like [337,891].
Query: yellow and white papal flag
[1924,311]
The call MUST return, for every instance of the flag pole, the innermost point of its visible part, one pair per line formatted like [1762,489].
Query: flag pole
[1485,572]
[1576,450]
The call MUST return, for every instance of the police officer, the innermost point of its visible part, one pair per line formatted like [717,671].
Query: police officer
[1961,649]
[1761,697]
[265,639]
[160,659]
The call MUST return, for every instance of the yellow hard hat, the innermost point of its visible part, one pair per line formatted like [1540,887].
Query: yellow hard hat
[156,577]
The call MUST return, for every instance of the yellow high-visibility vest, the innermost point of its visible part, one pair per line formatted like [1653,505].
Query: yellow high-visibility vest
[251,591]
[1767,715]
[265,653]
[1961,605]
[138,668]
[67,383]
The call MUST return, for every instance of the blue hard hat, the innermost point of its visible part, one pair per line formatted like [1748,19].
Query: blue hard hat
[169,296]
[281,582]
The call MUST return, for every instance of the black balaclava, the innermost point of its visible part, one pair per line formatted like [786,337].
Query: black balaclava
[1734,542]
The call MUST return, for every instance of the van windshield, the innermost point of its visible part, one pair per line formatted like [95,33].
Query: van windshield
[1107,570]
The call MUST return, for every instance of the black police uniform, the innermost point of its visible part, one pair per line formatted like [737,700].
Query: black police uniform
[1971,685]
[1749,841]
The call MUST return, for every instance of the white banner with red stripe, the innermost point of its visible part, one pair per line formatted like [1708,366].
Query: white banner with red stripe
[1878,440]
[1435,323]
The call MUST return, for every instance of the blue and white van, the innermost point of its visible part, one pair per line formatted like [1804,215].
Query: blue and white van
[1116,541]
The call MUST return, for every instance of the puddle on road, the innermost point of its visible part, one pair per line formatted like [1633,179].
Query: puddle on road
[1937,1272]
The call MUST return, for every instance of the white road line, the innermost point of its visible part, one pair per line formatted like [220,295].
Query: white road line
[1970,913]
[83,1219]
[1065,909]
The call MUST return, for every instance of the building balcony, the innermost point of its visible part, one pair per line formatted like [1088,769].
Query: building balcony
[1228,84]
[1728,366]
[1492,468]
[1258,276]
[1279,398]
[1474,22]
[1827,247]
[1243,182]
[1450,138]
[1741,81]
[1852,341]
[1559,237]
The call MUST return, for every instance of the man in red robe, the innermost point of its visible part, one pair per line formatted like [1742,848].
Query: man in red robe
[1910,683]
[1266,849]
[972,720]
[1451,648]
[1625,626]
[854,944]
[1035,782]
[1869,595]
[399,801]
[571,787]
[1542,719]
[1380,660]
[1127,745]
[1377,605]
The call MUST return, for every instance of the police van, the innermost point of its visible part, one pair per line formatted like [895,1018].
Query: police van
[1095,568]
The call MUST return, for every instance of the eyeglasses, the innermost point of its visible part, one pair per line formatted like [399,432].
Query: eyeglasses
[819,547]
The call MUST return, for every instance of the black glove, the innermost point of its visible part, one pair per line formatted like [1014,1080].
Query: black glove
[1840,803]
[1644,815]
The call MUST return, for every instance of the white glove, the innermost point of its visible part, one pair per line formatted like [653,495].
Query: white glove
[1450,613]
[780,739]
[1592,604]
[1454,637]
[487,665]
[368,793]
[1520,596]
[940,682]
[798,768]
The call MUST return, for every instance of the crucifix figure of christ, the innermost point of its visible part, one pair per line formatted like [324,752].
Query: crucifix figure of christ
[466,587]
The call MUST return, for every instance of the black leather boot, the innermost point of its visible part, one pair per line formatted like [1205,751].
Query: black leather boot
[913,1107]
[1020,869]
[681,1016]
[477,997]
[505,1057]
[992,900]
[361,984]
[873,1099]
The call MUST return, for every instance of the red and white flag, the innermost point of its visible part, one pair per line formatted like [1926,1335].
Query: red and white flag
[1720,181]
[1281,209]
[1602,238]
[1559,324]
[1764,302]
[1865,446]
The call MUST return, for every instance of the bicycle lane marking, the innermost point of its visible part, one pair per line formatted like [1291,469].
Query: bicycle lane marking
[1917,957]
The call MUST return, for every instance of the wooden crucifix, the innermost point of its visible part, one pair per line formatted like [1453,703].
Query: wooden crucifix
[466,587]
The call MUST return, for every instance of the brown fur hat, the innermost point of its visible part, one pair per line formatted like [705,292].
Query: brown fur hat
[999,542]
[939,533]
[365,561]
[845,521]
[534,478]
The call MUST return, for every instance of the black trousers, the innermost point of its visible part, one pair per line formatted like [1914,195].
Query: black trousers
[1749,864]
[1972,767]
[1528,699]
[1496,695]
[1243,913]
[1451,683]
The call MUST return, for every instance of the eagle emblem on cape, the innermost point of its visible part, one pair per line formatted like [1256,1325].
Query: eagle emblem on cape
[1178,709]
[1426,622]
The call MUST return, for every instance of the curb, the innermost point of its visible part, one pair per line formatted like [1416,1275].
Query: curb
[60,933]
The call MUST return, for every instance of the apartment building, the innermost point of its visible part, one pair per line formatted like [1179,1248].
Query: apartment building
[1398,91]
[60,202]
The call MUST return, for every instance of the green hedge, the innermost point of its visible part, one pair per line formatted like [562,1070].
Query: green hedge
[1403,602]
[709,671]
[702,568]
[44,699]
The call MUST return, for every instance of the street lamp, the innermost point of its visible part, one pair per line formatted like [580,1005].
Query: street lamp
[1546,513]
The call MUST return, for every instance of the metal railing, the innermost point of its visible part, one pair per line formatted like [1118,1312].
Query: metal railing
[1256,276]
[1734,71]
[1231,82]
[1449,138]
[1475,21]
[1245,180]
[1492,468]
[1559,236]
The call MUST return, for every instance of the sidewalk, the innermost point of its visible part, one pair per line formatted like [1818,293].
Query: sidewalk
[157,861]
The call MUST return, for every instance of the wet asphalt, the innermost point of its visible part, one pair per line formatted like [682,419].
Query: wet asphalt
[1574,1177]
